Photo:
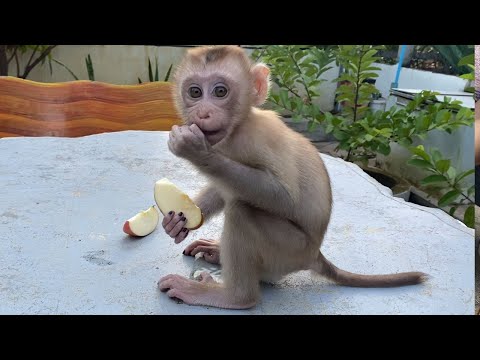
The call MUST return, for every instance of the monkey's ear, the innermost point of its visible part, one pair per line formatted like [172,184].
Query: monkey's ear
[261,81]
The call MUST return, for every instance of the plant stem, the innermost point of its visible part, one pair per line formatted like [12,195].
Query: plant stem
[42,56]
[261,53]
[454,187]
[281,106]
[18,65]
[357,90]
[31,57]
[13,54]
[301,77]
[288,88]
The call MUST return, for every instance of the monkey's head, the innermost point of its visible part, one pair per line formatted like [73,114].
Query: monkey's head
[216,87]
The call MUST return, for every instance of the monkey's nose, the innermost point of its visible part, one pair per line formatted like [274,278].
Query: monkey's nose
[203,116]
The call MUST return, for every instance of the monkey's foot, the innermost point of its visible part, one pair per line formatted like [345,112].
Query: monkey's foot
[210,249]
[204,292]
[205,276]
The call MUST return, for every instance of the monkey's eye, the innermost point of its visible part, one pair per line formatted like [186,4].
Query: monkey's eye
[220,91]
[195,92]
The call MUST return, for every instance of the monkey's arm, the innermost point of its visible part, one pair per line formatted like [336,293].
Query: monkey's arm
[210,202]
[256,186]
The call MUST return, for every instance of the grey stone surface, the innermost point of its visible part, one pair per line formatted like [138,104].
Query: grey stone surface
[63,203]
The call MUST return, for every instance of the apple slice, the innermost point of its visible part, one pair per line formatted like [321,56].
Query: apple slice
[170,198]
[143,223]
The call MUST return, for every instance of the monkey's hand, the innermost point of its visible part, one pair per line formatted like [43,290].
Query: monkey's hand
[190,143]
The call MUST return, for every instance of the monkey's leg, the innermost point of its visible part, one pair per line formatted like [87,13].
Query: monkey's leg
[210,249]
[204,292]
[240,268]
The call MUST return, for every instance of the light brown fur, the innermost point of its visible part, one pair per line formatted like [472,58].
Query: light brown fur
[269,180]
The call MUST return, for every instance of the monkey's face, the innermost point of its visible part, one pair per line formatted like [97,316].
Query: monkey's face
[211,101]
[215,89]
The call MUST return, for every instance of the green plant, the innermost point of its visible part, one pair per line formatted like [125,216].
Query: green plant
[375,132]
[445,178]
[153,78]
[297,71]
[468,61]
[354,94]
[39,55]
[450,55]
[91,73]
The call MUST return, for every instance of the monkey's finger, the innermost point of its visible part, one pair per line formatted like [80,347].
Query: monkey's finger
[198,249]
[166,284]
[178,228]
[174,222]
[206,277]
[171,147]
[196,243]
[173,293]
[181,236]
[167,226]
[196,130]
[211,258]
[167,218]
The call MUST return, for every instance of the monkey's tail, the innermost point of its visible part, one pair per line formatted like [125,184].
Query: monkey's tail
[342,277]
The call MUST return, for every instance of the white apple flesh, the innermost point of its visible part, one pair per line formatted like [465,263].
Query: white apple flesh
[170,198]
[143,223]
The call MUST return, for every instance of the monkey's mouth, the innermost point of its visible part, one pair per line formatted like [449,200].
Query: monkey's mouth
[210,133]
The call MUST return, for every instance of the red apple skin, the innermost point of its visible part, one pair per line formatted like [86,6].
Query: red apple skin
[127,230]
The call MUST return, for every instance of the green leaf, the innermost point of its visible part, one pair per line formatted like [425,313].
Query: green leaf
[284,97]
[340,135]
[469,217]
[167,76]
[471,190]
[451,173]
[420,151]
[66,67]
[405,141]
[432,179]
[452,210]
[312,125]
[443,116]
[368,137]
[436,155]
[420,163]
[465,174]
[442,165]
[384,149]
[448,198]
[150,72]
[467,60]
[468,76]
[156,69]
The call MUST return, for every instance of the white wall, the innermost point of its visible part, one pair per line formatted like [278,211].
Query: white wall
[116,64]
[416,79]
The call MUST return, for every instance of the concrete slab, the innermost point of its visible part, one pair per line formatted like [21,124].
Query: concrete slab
[63,203]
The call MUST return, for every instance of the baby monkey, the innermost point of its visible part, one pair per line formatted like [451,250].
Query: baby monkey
[269,181]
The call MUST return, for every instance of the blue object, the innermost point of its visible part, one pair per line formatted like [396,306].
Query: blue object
[399,67]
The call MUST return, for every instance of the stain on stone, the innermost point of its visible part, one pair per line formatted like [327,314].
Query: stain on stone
[10,214]
[96,257]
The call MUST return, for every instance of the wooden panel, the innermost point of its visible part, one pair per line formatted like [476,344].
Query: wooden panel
[80,108]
